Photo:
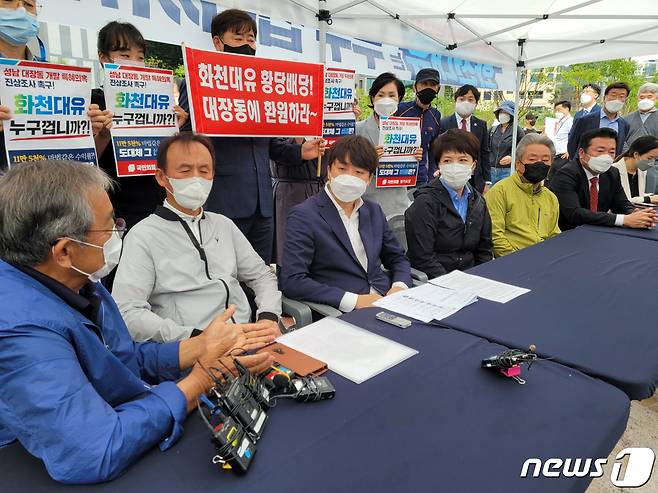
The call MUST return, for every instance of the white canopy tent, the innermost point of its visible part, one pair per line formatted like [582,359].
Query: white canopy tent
[525,35]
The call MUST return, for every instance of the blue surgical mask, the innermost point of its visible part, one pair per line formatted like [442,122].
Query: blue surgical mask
[18,26]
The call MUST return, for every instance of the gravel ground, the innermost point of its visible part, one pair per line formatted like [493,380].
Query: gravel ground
[642,431]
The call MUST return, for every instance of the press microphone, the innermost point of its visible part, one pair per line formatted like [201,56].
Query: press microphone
[509,362]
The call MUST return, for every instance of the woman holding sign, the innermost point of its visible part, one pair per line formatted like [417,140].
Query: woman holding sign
[18,27]
[136,197]
[385,94]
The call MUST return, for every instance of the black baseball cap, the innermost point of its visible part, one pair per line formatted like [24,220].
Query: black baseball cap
[428,74]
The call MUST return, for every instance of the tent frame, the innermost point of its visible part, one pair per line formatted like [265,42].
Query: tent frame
[325,17]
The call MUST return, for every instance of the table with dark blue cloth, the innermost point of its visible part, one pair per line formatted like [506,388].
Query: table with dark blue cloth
[646,234]
[435,423]
[592,306]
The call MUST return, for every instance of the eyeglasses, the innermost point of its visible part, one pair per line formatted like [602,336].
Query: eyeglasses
[119,228]
[31,6]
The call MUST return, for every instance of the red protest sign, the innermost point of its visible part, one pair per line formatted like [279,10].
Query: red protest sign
[243,95]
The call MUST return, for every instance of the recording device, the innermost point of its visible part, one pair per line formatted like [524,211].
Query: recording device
[304,389]
[241,404]
[234,448]
[258,390]
[509,362]
[389,318]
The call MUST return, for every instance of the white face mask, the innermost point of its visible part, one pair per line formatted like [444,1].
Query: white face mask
[190,193]
[464,108]
[504,118]
[347,188]
[386,106]
[645,164]
[645,104]
[600,164]
[586,99]
[456,175]
[112,253]
[130,63]
[559,115]
[614,106]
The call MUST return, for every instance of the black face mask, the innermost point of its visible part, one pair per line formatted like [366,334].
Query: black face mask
[244,49]
[536,172]
[426,96]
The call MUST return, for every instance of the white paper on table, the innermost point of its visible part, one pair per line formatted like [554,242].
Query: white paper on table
[483,287]
[348,350]
[427,302]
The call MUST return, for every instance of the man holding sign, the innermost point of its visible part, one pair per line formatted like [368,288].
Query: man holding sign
[243,188]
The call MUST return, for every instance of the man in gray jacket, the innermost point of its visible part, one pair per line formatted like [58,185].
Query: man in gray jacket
[643,122]
[181,266]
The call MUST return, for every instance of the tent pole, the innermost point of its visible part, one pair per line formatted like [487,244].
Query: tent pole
[322,28]
[520,69]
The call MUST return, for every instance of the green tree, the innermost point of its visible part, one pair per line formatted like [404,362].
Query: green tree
[573,77]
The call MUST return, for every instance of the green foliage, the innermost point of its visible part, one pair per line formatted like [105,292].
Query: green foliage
[573,77]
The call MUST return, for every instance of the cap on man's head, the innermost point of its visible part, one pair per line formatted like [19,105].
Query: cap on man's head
[428,74]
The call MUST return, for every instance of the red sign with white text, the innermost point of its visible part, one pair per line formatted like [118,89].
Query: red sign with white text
[244,95]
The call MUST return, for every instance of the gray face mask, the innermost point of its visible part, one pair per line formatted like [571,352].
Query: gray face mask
[645,164]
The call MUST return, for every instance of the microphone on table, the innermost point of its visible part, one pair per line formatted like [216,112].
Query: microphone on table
[509,362]
[304,389]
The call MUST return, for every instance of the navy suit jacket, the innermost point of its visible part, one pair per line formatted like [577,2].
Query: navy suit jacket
[482,172]
[319,263]
[591,122]
[580,113]
[243,184]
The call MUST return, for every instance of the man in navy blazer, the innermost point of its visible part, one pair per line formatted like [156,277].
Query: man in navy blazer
[467,98]
[336,242]
[242,188]
[615,96]
[588,97]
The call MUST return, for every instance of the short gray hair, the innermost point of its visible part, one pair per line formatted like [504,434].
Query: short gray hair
[43,201]
[648,87]
[533,138]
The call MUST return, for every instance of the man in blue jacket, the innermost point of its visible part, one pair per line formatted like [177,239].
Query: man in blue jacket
[336,242]
[75,390]
[242,189]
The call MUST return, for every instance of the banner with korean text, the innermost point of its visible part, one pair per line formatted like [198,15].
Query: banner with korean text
[142,100]
[339,91]
[48,104]
[400,137]
[242,95]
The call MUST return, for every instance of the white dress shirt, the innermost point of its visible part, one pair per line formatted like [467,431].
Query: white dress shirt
[562,134]
[351,223]
[619,220]
[459,119]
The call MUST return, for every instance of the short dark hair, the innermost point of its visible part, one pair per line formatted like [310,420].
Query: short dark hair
[235,20]
[587,137]
[382,80]
[564,103]
[531,118]
[465,89]
[456,140]
[357,150]
[617,85]
[184,138]
[118,36]
[595,87]
[642,145]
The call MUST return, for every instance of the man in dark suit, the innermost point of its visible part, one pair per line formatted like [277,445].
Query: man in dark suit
[242,190]
[336,242]
[615,97]
[588,97]
[589,188]
[467,98]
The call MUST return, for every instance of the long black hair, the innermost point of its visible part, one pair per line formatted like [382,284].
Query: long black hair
[641,145]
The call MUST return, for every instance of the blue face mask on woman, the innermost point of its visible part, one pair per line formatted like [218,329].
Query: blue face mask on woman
[18,26]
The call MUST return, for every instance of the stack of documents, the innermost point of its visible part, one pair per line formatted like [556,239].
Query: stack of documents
[483,287]
[348,350]
[427,302]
